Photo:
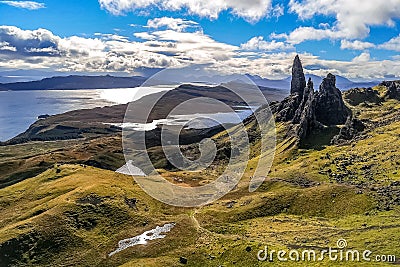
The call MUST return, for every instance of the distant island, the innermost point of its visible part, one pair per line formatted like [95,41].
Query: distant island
[75,82]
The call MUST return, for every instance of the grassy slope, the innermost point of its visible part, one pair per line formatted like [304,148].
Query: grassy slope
[18,162]
[77,215]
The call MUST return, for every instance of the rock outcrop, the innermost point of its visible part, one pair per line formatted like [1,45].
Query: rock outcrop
[393,91]
[350,130]
[286,110]
[357,96]
[330,108]
[307,110]
[308,96]
[305,115]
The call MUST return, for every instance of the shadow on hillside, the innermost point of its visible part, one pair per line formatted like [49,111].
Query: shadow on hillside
[318,140]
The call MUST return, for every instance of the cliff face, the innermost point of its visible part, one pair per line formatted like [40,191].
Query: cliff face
[308,110]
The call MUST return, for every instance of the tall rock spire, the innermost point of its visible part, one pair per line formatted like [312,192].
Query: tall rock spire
[310,111]
[298,79]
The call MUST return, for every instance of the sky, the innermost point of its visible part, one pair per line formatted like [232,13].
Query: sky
[358,39]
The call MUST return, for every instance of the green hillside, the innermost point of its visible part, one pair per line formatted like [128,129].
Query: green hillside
[59,211]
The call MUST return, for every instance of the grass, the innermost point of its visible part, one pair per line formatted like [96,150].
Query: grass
[71,214]
[78,215]
[50,208]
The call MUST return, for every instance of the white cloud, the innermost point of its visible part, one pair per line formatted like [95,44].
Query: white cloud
[31,5]
[277,11]
[41,48]
[5,46]
[258,43]
[302,34]
[355,45]
[396,57]
[324,25]
[168,48]
[353,18]
[279,36]
[189,46]
[251,10]
[24,41]
[176,24]
[392,44]
[144,35]
[109,36]
[362,58]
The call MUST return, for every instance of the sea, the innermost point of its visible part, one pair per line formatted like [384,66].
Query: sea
[19,109]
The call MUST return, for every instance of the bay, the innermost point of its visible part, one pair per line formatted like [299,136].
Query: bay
[19,109]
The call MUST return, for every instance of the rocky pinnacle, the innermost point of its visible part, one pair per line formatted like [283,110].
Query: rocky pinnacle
[331,109]
[310,111]
[298,79]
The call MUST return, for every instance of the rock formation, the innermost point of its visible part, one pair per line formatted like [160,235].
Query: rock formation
[330,108]
[308,96]
[357,96]
[288,108]
[307,110]
[298,79]
[349,131]
[305,115]
[393,91]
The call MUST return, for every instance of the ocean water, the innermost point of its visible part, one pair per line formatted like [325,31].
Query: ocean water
[19,109]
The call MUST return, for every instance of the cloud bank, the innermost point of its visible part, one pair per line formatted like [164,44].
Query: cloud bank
[31,5]
[169,43]
[251,10]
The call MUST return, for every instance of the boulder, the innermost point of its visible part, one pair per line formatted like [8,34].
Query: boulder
[183,260]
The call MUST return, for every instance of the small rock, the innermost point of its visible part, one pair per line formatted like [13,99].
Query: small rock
[183,260]
[230,204]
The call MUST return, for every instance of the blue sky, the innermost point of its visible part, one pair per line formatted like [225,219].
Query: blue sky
[358,39]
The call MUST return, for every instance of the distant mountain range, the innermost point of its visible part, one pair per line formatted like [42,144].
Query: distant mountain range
[76,82]
[341,82]
[106,81]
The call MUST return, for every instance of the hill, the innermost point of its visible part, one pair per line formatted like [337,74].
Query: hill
[319,190]
[75,82]
[72,82]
